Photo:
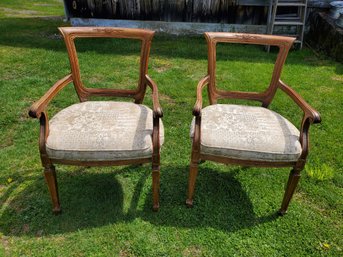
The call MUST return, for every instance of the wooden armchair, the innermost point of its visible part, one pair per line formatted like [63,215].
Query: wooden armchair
[101,133]
[248,135]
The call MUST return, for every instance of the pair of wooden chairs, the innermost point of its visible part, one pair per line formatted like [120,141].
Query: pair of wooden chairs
[106,133]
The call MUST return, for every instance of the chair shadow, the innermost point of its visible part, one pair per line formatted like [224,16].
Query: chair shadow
[88,200]
[339,69]
[220,202]
[49,38]
[96,199]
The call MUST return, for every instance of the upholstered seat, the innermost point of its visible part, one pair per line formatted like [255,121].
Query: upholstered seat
[102,131]
[247,133]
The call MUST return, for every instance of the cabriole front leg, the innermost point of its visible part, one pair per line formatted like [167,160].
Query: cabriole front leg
[156,163]
[193,173]
[292,183]
[194,164]
[156,187]
[51,180]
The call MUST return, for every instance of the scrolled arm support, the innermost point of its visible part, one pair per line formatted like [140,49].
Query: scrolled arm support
[158,113]
[309,112]
[44,132]
[198,104]
[310,116]
[197,113]
[156,104]
[304,136]
[156,141]
[38,107]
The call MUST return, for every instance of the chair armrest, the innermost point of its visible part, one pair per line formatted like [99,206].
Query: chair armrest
[310,116]
[156,104]
[157,110]
[309,112]
[39,106]
[198,104]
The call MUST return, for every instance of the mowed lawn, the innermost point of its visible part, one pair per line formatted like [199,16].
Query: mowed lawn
[107,211]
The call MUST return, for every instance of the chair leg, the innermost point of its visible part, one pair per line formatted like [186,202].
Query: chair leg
[51,180]
[193,172]
[292,183]
[156,187]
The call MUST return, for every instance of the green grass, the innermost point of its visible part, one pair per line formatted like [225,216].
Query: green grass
[107,211]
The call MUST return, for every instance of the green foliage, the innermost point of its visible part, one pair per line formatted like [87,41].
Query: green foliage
[320,172]
[107,211]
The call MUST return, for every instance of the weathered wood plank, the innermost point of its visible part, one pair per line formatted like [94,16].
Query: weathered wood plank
[216,11]
[311,3]
[324,35]
[176,28]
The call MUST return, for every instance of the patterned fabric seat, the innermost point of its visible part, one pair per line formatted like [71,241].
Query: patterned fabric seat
[102,131]
[247,133]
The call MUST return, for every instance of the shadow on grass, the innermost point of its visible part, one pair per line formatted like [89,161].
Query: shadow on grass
[88,200]
[91,200]
[42,33]
[220,202]
[339,69]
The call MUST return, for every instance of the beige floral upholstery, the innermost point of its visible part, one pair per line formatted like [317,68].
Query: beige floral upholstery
[247,132]
[102,131]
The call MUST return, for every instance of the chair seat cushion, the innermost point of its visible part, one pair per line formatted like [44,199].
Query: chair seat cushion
[247,133]
[102,131]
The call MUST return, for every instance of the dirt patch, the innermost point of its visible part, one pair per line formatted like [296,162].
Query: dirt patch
[326,89]
[166,98]
[124,253]
[95,80]
[26,228]
[52,18]
[5,243]
[39,233]
[2,187]
[192,251]
[161,66]
[304,198]
[43,4]
[53,36]
[18,13]
[161,69]
[337,78]
[7,138]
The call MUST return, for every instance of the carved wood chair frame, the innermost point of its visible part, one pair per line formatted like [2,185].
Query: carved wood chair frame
[310,115]
[38,109]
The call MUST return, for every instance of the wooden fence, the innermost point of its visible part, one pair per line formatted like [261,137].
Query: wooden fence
[208,11]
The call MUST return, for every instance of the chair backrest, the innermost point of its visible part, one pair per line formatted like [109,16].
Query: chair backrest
[283,43]
[70,33]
